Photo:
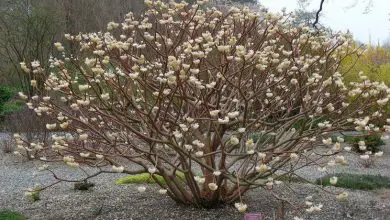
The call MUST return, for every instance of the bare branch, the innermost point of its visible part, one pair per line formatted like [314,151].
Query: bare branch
[318,14]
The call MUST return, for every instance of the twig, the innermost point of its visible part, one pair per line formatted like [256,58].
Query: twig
[318,14]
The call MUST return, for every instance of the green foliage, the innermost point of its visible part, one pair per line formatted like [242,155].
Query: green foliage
[34,195]
[260,137]
[357,181]
[7,104]
[373,142]
[304,124]
[83,185]
[144,178]
[292,178]
[10,215]
[374,63]
[5,95]
[12,106]
[298,125]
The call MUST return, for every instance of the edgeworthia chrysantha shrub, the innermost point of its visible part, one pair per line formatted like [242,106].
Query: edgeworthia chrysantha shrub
[233,99]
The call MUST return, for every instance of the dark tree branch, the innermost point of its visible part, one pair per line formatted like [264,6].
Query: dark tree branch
[318,14]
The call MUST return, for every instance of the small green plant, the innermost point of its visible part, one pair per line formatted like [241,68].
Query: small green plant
[33,194]
[11,215]
[144,178]
[83,185]
[372,142]
[356,181]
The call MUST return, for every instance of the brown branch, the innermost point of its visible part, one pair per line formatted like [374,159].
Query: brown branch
[318,14]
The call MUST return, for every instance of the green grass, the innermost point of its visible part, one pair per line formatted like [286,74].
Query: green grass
[143,178]
[357,181]
[10,215]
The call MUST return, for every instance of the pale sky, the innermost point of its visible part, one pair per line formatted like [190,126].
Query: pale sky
[338,15]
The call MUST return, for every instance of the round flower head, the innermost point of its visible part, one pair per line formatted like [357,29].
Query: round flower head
[213,186]
[141,189]
[217,173]
[333,180]
[162,191]
[241,207]
[152,170]
[234,140]
[342,196]
[117,169]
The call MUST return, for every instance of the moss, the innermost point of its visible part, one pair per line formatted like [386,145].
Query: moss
[10,215]
[144,178]
[357,181]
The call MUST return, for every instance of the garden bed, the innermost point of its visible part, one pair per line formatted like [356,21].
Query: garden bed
[107,200]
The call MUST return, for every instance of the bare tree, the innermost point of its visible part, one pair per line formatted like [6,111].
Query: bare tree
[26,34]
[321,3]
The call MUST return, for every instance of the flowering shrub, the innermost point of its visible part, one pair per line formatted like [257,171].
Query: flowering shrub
[184,88]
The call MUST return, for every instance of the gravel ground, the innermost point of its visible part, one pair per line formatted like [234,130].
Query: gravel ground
[380,165]
[110,201]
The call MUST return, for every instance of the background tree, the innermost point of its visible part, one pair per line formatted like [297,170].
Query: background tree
[26,35]
[28,29]
[321,4]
